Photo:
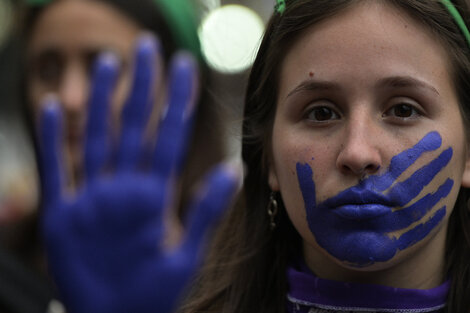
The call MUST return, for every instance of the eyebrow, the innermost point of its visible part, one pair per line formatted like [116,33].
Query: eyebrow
[405,82]
[313,85]
[393,82]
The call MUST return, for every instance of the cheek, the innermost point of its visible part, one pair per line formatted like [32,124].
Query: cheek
[285,166]
[455,172]
[293,200]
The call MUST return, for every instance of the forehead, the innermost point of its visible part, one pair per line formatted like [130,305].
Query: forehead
[367,41]
[76,24]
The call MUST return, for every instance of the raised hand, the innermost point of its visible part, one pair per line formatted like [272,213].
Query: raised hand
[354,225]
[104,242]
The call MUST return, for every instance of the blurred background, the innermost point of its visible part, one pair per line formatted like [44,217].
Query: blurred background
[229,33]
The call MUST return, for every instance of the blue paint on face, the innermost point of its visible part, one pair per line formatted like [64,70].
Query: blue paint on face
[353,226]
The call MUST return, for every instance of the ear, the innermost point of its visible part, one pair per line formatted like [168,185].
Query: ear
[466,174]
[272,179]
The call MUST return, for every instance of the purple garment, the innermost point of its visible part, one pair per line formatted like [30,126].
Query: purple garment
[310,294]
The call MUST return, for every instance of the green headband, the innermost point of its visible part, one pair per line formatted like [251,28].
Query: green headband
[180,16]
[457,18]
[281,7]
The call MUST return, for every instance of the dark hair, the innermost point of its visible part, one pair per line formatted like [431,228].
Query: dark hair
[246,268]
[143,12]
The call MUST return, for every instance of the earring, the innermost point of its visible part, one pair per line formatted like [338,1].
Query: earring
[272,210]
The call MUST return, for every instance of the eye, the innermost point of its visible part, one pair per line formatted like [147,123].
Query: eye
[403,111]
[321,114]
[48,68]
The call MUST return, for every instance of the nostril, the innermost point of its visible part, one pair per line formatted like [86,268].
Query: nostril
[369,170]
[361,170]
[372,168]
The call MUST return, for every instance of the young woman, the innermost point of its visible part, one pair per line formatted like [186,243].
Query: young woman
[356,141]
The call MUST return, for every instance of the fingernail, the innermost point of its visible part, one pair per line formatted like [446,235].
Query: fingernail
[148,43]
[236,169]
[108,60]
[187,64]
[50,102]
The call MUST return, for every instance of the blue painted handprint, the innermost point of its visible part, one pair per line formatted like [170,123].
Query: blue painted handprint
[353,226]
[104,243]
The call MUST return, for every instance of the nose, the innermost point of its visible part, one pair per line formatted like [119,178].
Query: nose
[359,154]
[73,90]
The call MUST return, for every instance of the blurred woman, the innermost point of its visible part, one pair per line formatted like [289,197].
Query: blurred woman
[62,39]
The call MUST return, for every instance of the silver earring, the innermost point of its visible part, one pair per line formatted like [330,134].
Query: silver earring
[272,210]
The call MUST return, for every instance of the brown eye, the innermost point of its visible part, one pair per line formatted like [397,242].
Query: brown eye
[403,111]
[48,68]
[322,114]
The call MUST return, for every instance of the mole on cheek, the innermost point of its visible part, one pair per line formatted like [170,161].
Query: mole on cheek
[311,74]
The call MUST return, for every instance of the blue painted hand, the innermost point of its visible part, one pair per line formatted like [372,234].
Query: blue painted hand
[354,225]
[103,243]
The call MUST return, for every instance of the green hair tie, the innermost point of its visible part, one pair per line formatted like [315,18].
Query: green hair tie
[457,18]
[180,16]
[280,6]
[37,2]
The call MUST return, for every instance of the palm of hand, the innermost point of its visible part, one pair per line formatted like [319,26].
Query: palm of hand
[103,244]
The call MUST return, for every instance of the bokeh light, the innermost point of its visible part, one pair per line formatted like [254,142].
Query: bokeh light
[230,36]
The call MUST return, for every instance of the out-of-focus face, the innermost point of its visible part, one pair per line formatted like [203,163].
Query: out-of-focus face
[368,147]
[64,43]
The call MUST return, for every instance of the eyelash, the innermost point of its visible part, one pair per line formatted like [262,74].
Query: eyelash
[415,112]
[412,109]
[326,109]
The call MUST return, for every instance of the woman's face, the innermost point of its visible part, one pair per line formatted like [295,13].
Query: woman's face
[368,144]
[63,45]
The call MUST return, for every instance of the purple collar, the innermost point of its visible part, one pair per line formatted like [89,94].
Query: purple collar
[308,291]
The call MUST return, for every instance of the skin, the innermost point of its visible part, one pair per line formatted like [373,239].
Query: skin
[342,112]
[66,38]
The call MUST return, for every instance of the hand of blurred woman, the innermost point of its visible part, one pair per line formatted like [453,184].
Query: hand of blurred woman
[104,242]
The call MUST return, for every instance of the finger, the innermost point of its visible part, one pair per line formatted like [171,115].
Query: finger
[403,161]
[176,124]
[419,232]
[307,185]
[97,141]
[401,219]
[405,191]
[50,142]
[213,200]
[137,105]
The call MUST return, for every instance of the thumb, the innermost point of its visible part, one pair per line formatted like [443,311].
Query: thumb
[212,200]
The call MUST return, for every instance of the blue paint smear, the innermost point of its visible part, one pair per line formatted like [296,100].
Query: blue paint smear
[353,226]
